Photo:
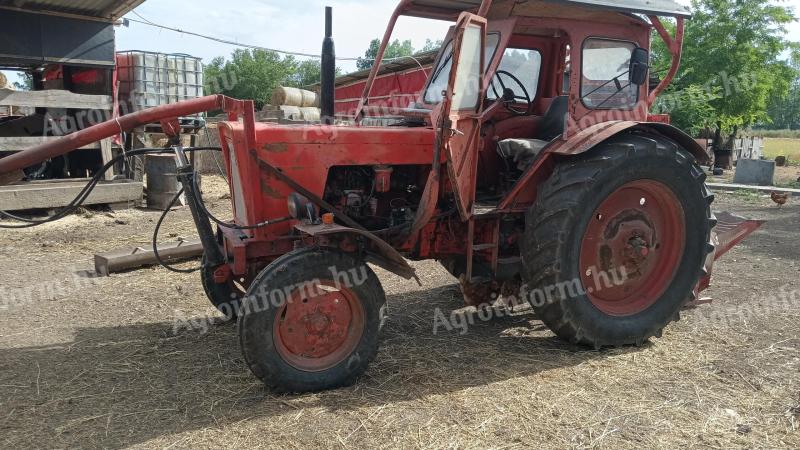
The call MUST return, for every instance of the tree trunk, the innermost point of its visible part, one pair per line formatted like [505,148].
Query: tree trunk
[723,151]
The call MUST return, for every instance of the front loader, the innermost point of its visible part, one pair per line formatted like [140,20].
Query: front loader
[529,167]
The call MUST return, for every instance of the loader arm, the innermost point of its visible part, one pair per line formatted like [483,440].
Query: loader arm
[166,115]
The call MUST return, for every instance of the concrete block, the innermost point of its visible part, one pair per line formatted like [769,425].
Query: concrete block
[755,172]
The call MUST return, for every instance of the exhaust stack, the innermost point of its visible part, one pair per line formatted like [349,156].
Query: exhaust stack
[327,84]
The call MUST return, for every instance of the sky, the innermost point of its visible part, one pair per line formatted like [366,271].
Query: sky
[286,25]
[295,25]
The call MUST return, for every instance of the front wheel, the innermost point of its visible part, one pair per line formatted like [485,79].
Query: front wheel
[617,241]
[311,321]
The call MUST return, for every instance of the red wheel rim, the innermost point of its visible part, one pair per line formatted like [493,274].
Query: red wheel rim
[632,248]
[319,326]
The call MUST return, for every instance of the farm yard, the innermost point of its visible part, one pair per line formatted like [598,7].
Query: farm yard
[790,148]
[493,228]
[131,361]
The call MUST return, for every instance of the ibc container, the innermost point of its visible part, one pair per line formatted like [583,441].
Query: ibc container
[148,79]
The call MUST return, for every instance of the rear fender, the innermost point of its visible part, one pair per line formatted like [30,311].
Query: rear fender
[378,251]
[524,192]
[590,137]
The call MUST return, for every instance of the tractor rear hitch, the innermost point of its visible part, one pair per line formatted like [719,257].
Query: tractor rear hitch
[214,256]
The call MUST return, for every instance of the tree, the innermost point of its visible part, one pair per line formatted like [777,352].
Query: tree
[431,45]
[309,72]
[731,65]
[254,74]
[25,82]
[395,49]
[784,110]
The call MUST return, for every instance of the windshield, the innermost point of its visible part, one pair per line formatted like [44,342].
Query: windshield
[441,75]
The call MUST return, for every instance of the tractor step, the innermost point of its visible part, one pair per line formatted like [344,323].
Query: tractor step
[473,247]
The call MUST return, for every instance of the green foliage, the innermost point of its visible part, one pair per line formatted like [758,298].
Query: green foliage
[731,65]
[25,82]
[784,107]
[309,72]
[431,45]
[395,49]
[690,108]
[254,74]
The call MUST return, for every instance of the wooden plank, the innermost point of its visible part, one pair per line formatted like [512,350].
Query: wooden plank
[18,144]
[746,187]
[11,177]
[107,155]
[133,258]
[55,99]
[56,195]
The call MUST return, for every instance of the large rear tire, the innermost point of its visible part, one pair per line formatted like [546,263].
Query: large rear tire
[311,321]
[617,241]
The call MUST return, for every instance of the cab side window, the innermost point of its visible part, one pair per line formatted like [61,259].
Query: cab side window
[605,76]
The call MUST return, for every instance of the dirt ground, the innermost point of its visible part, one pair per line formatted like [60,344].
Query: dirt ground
[110,362]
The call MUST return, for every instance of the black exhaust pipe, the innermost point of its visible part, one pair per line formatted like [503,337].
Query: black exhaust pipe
[328,82]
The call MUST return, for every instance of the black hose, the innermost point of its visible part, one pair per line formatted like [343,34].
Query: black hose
[76,203]
[155,238]
[232,226]
[87,190]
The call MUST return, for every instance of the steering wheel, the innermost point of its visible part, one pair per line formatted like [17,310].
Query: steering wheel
[509,97]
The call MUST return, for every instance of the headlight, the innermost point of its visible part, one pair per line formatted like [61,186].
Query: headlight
[297,206]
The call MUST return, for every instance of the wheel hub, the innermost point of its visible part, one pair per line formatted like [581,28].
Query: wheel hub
[318,327]
[632,247]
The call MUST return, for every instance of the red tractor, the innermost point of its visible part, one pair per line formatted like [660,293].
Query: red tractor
[529,167]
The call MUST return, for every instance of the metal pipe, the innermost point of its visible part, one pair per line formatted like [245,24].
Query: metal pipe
[328,80]
[486,5]
[186,175]
[379,58]
[675,47]
[113,127]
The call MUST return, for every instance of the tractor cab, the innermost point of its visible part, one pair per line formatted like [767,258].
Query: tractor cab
[530,75]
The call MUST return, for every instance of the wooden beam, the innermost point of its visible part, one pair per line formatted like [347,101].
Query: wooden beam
[55,99]
[56,195]
[134,258]
[10,178]
[18,144]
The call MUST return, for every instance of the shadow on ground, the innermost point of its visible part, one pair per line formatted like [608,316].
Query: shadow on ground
[114,387]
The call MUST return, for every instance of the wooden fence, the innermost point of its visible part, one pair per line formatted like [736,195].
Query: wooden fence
[748,148]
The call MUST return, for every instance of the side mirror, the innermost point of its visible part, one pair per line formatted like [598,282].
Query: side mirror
[640,66]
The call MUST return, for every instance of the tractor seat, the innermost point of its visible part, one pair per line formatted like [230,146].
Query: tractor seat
[524,151]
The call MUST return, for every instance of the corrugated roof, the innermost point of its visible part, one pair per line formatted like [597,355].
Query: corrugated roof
[420,60]
[100,9]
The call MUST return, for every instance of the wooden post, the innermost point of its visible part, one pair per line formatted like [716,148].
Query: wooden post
[108,155]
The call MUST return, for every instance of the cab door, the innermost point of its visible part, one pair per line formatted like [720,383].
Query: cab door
[458,120]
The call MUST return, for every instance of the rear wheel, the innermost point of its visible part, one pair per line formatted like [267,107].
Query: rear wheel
[617,241]
[311,321]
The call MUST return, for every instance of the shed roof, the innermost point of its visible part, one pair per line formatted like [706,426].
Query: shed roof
[109,10]
[418,61]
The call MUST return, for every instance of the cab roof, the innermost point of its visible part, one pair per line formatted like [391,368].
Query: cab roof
[450,9]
